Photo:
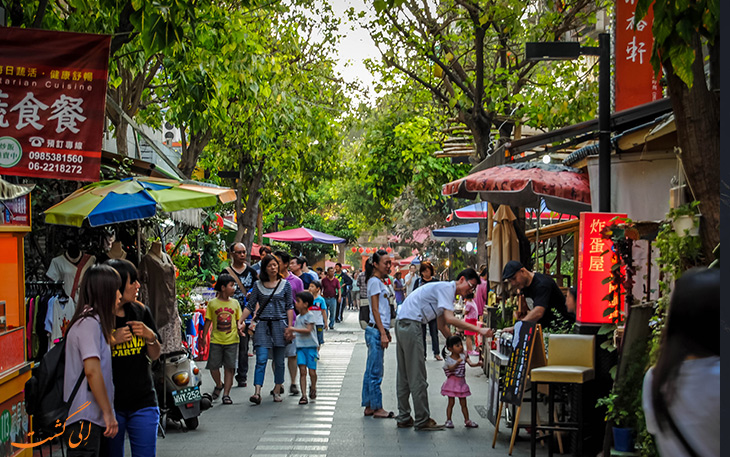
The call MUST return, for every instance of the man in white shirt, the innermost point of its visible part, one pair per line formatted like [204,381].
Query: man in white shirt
[430,301]
[410,279]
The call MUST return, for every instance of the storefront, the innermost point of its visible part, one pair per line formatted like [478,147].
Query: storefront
[15,369]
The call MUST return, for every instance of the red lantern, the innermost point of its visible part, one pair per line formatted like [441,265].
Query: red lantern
[367,250]
[388,249]
[354,250]
[361,250]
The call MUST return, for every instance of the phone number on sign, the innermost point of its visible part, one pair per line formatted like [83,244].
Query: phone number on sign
[55,167]
[55,157]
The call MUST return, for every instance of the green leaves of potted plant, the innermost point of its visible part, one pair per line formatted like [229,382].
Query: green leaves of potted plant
[623,433]
[686,219]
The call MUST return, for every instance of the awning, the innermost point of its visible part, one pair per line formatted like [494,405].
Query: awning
[463,232]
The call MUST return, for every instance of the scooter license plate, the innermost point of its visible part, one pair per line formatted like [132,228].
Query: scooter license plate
[186,395]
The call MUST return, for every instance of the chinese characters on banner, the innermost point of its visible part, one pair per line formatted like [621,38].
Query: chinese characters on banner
[635,81]
[593,268]
[52,101]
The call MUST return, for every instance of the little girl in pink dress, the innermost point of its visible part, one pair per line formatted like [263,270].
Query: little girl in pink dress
[455,385]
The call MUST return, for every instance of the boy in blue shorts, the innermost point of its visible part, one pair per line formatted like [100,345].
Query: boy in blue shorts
[305,332]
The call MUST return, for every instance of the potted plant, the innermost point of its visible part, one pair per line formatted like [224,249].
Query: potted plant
[623,433]
[686,219]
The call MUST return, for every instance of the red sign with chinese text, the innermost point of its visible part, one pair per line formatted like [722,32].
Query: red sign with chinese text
[52,101]
[635,81]
[593,268]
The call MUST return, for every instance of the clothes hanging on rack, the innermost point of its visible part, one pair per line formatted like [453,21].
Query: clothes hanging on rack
[58,316]
[38,296]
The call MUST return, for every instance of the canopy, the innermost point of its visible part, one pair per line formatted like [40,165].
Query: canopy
[113,201]
[565,189]
[305,235]
[462,232]
[478,211]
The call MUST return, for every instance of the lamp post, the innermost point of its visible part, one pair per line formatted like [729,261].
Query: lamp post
[568,50]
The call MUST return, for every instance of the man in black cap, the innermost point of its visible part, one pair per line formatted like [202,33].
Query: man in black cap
[548,302]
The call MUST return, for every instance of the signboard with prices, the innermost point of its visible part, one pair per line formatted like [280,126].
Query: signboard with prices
[635,81]
[594,266]
[52,102]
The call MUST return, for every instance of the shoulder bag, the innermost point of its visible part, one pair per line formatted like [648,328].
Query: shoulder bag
[251,327]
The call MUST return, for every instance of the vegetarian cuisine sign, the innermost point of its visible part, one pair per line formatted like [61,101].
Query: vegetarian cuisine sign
[52,101]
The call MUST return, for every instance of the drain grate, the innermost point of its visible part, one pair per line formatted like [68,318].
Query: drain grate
[481,410]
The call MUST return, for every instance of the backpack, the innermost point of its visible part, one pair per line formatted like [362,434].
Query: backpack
[44,390]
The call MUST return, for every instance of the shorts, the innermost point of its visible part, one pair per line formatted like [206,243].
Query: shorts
[308,356]
[320,334]
[225,355]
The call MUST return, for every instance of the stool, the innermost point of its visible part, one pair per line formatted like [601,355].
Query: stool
[570,362]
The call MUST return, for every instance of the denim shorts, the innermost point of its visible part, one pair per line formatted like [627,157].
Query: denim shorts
[307,356]
[225,355]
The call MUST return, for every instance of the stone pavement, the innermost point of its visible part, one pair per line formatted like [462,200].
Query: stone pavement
[333,424]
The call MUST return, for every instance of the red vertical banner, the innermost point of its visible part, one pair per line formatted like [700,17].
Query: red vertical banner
[635,81]
[593,267]
[52,102]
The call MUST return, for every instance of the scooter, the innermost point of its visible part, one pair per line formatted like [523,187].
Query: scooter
[178,381]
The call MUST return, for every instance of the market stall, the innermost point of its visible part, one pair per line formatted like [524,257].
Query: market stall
[15,369]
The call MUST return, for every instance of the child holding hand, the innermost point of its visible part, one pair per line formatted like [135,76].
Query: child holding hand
[305,332]
[455,385]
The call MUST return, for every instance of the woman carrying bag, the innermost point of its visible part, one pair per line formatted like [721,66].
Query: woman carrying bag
[272,308]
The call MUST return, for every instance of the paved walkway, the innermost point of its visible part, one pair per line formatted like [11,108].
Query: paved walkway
[333,425]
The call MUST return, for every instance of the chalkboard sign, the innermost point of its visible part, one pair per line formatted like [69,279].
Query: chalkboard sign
[528,351]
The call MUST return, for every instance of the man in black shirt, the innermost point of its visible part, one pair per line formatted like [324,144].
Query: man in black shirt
[245,276]
[548,302]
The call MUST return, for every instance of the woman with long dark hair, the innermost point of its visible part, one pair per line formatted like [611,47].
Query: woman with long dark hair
[88,352]
[272,307]
[135,344]
[377,334]
[681,395]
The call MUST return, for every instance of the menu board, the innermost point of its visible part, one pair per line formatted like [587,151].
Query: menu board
[528,352]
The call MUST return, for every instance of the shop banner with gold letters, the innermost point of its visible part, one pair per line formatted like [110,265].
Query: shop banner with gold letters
[52,100]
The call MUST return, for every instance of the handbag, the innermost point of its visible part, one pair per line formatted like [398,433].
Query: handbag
[251,327]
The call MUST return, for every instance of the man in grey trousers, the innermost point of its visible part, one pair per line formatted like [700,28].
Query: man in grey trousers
[431,301]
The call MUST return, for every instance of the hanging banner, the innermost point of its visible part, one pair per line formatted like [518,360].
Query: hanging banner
[52,101]
[635,81]
[593,267]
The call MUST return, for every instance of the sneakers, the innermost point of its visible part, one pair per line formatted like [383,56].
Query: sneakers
[242,383]
[430,426]
[449,424]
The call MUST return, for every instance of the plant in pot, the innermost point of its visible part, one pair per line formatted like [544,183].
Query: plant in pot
[623,432]
[686,219]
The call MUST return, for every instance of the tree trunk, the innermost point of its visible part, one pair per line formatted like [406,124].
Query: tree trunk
[120,131]
[697,115]
[247,220]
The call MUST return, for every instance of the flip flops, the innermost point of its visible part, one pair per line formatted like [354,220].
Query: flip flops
[277,398]
[226,400]
[390,415]
[217,392]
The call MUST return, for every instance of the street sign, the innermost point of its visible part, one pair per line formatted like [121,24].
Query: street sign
[52,103]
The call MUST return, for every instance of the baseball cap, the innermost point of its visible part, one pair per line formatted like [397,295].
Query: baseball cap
[511,268]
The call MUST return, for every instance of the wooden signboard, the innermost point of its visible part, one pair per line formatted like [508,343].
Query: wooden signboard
[528,352]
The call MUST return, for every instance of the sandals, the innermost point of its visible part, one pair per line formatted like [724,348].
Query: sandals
[255,399]
[303,401]
[471,424]
[277,398]
[368,413]
[312,393]
[226,400]
[390,415]
[217,392]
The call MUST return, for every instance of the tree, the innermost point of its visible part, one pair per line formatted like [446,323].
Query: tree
[682,31]
[474,49]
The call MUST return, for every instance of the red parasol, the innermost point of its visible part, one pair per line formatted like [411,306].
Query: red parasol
[564,189]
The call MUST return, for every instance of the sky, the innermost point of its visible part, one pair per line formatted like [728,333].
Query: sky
[355,46]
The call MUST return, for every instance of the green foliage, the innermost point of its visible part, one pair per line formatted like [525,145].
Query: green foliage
[677,23]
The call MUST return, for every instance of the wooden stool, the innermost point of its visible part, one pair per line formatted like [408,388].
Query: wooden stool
[570,362]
